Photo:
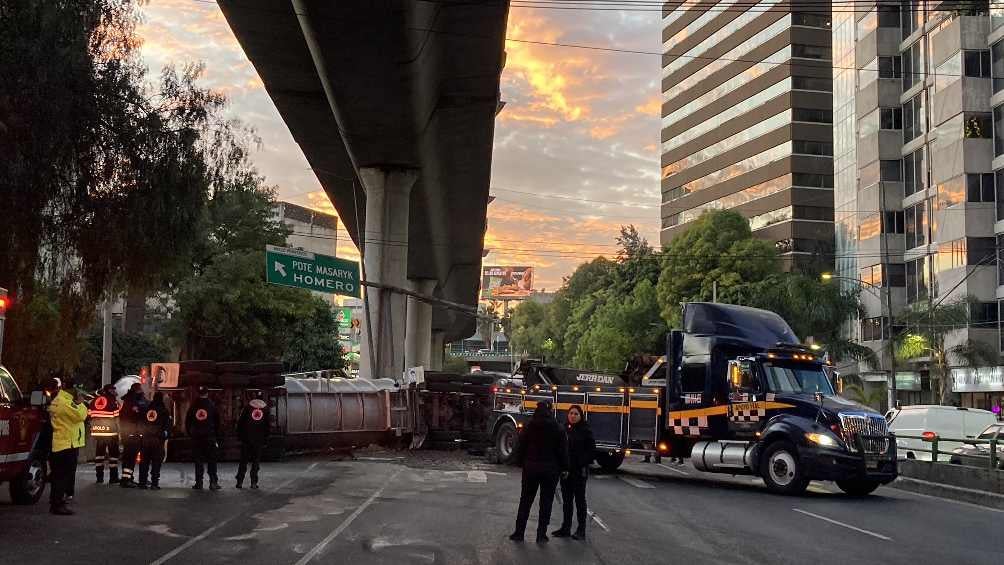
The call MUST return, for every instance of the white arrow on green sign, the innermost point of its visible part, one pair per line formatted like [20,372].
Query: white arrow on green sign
[311,271]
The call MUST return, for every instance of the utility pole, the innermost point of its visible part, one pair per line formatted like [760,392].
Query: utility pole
[106,342]
[714,291]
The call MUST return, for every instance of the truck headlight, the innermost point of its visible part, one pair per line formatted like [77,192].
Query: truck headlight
[823,440]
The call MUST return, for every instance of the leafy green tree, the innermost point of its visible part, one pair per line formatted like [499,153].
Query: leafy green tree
[929,333]
[456,364]
[718,248]
[619,329]
[529,328]
[313,342]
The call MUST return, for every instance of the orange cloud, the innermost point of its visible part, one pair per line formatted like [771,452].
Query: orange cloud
[549,76]
[651,107]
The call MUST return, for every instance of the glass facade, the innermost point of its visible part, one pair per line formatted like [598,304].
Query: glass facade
[734,126]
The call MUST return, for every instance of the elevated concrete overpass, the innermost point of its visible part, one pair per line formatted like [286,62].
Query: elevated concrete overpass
[393,103]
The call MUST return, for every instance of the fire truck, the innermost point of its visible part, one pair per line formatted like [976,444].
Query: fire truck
[735,393]
[22,451]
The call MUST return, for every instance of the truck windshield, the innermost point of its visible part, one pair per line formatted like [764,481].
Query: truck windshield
[797,379]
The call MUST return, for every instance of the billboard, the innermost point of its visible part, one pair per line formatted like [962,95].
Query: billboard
[506,283]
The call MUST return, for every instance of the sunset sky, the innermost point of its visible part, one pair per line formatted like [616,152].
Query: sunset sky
[579,126]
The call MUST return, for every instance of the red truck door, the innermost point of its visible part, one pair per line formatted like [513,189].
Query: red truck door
[18,425]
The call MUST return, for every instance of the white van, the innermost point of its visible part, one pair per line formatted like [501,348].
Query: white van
[946,421]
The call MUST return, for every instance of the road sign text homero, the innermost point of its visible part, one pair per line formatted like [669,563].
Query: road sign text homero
[311,271]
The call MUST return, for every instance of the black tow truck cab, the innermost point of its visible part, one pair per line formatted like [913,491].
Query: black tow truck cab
[736,394]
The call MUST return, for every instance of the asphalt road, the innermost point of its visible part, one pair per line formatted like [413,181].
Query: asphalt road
[423,509]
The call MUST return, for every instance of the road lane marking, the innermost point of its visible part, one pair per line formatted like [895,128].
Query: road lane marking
[848,526]
[477,477]
[673,469]
[348,521]
[635,482]
[174,552]
[819,490]
[598,521]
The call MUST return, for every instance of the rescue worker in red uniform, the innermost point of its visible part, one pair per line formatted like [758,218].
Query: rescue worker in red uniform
[202,423]
[252,430]
[104,417]
[156,429]
[134,407]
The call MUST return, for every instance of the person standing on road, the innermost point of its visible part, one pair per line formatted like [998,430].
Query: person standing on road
[203,425]
[134,407]
[66,414]
[252,429]
[156,429]
[104,415]
[581,447]
[542,449]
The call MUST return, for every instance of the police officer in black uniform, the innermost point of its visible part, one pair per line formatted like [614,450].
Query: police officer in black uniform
[252,429]
[104,417]
[543,451]
[134,407]
[156,429]
[203,425]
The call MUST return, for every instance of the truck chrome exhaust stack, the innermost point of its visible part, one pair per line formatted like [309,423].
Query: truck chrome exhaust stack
[722,457]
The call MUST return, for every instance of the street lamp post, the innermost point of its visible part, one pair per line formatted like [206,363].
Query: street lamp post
[877,291]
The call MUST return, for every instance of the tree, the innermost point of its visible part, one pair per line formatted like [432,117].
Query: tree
[619,329]
[529,328]
[718,248]
[930,328]
[130,352]
[857,393]
[230,313]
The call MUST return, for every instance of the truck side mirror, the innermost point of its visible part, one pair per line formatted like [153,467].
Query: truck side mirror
[37,398]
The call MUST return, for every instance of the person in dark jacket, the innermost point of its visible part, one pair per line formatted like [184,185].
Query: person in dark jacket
[581,446]
[203,425]
[134,407]
[252,430]
[156,429]
[543,451]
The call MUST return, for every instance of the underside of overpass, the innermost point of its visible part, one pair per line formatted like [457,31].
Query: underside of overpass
[393,103]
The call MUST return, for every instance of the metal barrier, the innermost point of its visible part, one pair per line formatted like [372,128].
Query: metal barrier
[933,440]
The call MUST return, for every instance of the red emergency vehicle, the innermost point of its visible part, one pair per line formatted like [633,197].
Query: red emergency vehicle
[22,449]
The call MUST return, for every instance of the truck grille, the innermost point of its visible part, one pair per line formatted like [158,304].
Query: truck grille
[871,425]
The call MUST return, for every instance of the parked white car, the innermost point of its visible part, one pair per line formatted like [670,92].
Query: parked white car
[946,421]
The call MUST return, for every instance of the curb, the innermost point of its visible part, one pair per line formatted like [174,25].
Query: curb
[960,494]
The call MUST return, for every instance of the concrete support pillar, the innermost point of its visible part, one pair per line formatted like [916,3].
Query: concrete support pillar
[418,341]
[385,261]
[438,353]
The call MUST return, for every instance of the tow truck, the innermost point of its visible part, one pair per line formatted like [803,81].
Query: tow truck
[22,451]
[737,394]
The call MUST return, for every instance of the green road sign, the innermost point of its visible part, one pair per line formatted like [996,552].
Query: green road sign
[312,271]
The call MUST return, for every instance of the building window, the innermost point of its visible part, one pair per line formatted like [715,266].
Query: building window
[812,213]
[869,227]
[916,225]
[976,64]
[978,126]
[888,16]
[981,250]
[951,255]
[980,187]
[671,221]
[913,118]
[914,179]
[891,171]
[897,275]
[913,64]
[890,67]
[891,118]
[983,314]
[999,131]
[812,83]
[810,51]
[872,275]
[893,222]
[811,20]
[999,177]
[916,280]
[812,115]
[803,147]
[1000,260]
[997,55]
[871,328]
[812,180]
[952,192]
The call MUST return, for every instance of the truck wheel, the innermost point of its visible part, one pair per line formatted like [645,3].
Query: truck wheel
[28,487]
[781,469]
[609,462]
[505,443]
[858,487]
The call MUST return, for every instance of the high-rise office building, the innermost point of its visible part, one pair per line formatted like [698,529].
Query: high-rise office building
[919,147]
[747,119]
